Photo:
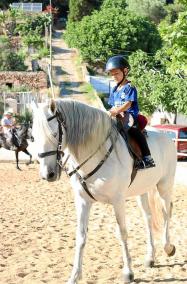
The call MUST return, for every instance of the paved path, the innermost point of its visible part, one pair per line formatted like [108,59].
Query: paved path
[69,76]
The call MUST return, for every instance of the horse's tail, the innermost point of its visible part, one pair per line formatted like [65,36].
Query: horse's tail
[156,210]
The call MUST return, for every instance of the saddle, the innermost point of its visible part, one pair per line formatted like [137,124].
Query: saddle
[132,145]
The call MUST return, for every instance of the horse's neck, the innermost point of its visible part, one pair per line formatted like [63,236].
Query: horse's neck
[93,154]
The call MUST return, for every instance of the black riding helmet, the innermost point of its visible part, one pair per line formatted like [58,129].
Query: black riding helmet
[116,62]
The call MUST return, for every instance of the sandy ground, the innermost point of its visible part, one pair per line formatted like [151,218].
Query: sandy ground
[37,235]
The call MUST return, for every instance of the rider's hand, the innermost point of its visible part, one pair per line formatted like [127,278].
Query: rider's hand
[113,111]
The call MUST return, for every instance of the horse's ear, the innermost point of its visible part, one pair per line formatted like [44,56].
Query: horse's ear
[52,106]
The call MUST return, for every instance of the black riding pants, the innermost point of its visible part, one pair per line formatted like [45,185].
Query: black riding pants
[140,139]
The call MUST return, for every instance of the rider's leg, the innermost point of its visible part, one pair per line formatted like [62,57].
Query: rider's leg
[10,140]
[147,161]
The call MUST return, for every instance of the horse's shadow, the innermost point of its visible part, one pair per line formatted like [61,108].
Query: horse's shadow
[171,265]
[164,280]
[161,280]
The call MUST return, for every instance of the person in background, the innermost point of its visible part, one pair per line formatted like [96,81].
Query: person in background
[8,127]
[123,101]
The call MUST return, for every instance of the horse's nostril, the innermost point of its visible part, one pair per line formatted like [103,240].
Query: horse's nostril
[51,175]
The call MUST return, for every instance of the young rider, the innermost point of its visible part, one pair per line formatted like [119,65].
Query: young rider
[123,100]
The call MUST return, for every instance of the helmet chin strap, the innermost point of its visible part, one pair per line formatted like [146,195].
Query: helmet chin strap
[118,84]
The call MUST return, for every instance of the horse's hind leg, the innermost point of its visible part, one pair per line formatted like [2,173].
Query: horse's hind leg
[82,210]
[119,208]
[165,194]
[27,153]
[144,206]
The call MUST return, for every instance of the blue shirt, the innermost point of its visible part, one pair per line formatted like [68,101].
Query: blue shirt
[126,93]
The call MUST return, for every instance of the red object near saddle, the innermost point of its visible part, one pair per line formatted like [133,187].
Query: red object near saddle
[142,121]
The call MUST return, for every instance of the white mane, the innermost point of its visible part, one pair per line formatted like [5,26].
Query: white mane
[86,126]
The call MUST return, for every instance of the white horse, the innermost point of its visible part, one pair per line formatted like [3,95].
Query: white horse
[101,171]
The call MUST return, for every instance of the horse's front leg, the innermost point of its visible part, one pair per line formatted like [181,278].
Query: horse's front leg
[82,209]
[144,206]
[119,208]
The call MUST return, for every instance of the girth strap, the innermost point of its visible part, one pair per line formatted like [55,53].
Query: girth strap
[84,185]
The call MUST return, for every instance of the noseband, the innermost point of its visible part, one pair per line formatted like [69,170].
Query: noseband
[59,151]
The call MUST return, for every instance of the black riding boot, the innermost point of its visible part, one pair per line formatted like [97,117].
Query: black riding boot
[147,161]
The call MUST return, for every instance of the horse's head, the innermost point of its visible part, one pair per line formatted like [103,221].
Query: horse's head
[50,139]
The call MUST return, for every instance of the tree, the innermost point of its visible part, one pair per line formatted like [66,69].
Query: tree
[174,51]
[155,86]
[80,8]
[112,4]
[112,31]
[11,61]
[153,9]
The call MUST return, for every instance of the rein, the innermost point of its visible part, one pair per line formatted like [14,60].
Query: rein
[60,154]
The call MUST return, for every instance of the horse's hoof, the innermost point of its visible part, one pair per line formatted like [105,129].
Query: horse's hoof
[170,250]
[149,263]
[128,278]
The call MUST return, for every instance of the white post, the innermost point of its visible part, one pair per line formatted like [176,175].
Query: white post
[51,83]
[50,32]
[4,99]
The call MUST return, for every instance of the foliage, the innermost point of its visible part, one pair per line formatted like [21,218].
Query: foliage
[173,12]
[33,39]
[43,52]
[153,9]
[174,52]
[80,8]
[11,61]
[155,86]
[184,2]
[112,4]
[24,117]
[4,42]
[34,24]
[100,35]
[32,29]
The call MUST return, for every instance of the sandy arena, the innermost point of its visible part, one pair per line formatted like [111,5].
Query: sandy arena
[37,233]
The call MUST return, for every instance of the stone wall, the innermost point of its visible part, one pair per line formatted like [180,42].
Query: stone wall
[34,80]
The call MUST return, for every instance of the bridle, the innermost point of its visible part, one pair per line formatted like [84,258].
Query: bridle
[60,155]
[59,151]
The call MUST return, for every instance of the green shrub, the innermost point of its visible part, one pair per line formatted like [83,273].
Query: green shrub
[11,61]
[112,31]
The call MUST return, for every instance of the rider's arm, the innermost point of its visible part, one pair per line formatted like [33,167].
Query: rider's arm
[117,110]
